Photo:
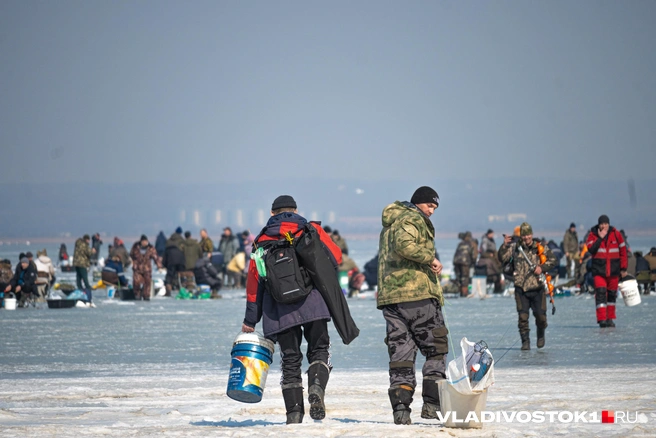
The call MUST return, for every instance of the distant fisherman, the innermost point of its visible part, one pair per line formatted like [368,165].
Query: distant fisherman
[609,261]
[142,253]
[529,292]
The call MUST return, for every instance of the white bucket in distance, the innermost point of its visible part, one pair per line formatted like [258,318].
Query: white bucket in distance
[10,303]
[630,292]
[456,407]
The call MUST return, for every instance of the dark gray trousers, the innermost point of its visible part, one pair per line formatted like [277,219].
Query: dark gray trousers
[412,326]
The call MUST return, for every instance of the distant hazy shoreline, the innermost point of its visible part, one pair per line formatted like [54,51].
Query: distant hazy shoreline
[555,234]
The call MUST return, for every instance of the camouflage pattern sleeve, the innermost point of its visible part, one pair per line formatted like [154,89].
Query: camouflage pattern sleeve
[505,253]
[406,235]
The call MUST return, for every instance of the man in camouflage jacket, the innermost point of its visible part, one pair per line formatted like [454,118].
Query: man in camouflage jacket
[529,292]
[410,297]
[463,259]
[206,244]
[142,253]
[82,262]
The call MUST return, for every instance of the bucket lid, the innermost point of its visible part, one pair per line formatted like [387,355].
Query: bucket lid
[255,338]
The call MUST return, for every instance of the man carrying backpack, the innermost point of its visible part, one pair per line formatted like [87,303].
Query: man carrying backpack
[287,323]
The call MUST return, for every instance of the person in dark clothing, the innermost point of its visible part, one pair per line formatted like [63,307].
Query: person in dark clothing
[160,244]
[288,324]
[371,272]
[96,243]
[63,253]
[228,246]
[112,272]
[206,273]
[174,262]
[22,284]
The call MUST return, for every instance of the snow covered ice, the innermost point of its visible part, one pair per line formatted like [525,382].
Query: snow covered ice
[160,368]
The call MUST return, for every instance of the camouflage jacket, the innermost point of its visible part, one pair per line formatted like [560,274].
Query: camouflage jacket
[465,253]
[82,253]
[141,260]
[407,249]
[571,242]
[5,273]
[525,278]
[206,245]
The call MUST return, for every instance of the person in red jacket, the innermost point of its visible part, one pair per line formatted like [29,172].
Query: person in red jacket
[609,261]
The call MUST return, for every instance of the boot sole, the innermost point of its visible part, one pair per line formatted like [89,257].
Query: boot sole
[317,407]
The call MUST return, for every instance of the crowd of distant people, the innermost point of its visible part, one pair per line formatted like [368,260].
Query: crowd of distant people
[474,259]
[190,262]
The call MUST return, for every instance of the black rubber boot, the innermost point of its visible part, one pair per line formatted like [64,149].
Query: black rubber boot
[318,374]
[603,324]
[431,395]
[294,404]
[526,341]
[540,337]
[610,323]
[401,399]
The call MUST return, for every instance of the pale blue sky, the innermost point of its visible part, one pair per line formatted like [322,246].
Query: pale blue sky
[217,90]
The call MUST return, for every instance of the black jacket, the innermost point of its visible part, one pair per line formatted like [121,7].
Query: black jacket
[173,258]
[206,273]
[160,244]
[25,278]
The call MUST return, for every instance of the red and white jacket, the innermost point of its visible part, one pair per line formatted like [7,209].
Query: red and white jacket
[608,254]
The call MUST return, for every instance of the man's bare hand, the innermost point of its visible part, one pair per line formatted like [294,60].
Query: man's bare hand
[507,239]
[436,266]
[247,329]
[538,270]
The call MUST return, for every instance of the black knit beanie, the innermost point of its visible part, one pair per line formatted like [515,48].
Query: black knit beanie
[425,195]
[603,219]
[283,201]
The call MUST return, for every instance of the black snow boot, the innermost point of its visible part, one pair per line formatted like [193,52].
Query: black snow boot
[294,404]
[401,399]
[431,395]
[526,341]
[610,323]
[318,374]
[540,337]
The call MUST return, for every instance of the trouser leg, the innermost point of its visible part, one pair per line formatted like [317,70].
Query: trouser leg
[291,357]
[137,284]
[601,298]
[539,308]
[523,306]
[613,283]
[401,349]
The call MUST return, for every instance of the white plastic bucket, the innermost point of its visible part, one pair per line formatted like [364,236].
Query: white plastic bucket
[630,292]
[456,407]
[10,303]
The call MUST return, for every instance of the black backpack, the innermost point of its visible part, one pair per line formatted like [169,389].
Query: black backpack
[286,280]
